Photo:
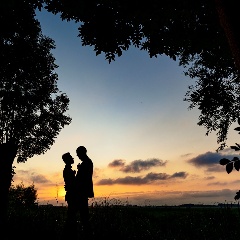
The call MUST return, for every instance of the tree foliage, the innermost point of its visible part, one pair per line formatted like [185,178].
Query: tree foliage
[202,35]
[191,32]
[32,109]
[21,196]
[234,163]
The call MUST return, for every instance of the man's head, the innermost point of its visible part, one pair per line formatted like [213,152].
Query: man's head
[81,152]
[67,158]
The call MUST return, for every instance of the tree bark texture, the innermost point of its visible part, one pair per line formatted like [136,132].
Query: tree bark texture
[229,18]
[8,152]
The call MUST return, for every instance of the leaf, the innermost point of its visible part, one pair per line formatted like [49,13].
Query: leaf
[235,148]
[238,145]
[237,195]
[237,165]
[237,129]
[229,167]
[224,161]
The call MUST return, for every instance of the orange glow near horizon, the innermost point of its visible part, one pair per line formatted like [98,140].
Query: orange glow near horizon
[197,185]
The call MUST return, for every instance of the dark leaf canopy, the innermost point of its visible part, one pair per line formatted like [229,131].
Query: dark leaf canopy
[159,27]
[32,109]
[187,31]
[21,196]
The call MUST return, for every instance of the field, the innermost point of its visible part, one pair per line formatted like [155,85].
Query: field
[129,222]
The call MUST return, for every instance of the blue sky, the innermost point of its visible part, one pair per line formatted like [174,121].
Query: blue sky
[129,114]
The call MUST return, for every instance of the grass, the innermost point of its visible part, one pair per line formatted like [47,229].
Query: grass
[111,220]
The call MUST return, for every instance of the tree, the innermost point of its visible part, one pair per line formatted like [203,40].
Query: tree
[229,19]
[234,163]
[202,35]
[21,196]
[32,109]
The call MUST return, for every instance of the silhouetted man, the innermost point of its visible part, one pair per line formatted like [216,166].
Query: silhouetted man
[84,186]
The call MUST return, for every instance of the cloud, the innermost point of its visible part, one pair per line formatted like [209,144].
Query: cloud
[30,177]
[218,183]
[179,175]
[105,181]
[39,179]
[137,166]
[149,178]
[186,155]
[161,198]
[216,168]
[209,178]
[96,172]
[229,183]
[228,151]
[117,163]
[22,172]
[210,160]
[236,182]
[209,194]
[205,159]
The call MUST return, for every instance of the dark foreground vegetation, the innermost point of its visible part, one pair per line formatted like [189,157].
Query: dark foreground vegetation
[128,222]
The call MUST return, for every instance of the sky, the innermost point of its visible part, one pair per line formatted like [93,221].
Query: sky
[145,144]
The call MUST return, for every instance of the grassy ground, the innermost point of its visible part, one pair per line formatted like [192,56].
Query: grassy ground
[126,222]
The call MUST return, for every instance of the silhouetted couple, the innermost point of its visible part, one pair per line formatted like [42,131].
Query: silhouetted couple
[78,187]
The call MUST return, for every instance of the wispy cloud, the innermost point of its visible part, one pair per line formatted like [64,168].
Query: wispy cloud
[137,166]
[177,197]
[208,194]
[228,151]
[218,183]
[39,178]
[149,178]
[117,163]
[215,168]
[209,178]
[222,183]
[31,177]
[186,155]
[179,175]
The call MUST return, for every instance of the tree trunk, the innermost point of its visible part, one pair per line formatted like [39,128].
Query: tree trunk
[229,18]
[8,152]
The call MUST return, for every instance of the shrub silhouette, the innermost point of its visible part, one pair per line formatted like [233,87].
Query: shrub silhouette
[21,196]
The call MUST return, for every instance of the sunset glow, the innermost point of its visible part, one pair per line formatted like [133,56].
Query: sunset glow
[145,144]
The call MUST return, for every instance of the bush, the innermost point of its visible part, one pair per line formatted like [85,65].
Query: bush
[21,196]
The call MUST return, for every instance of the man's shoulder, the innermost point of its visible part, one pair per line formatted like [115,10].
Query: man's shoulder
[90,160]
[85,164]
[90,163]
